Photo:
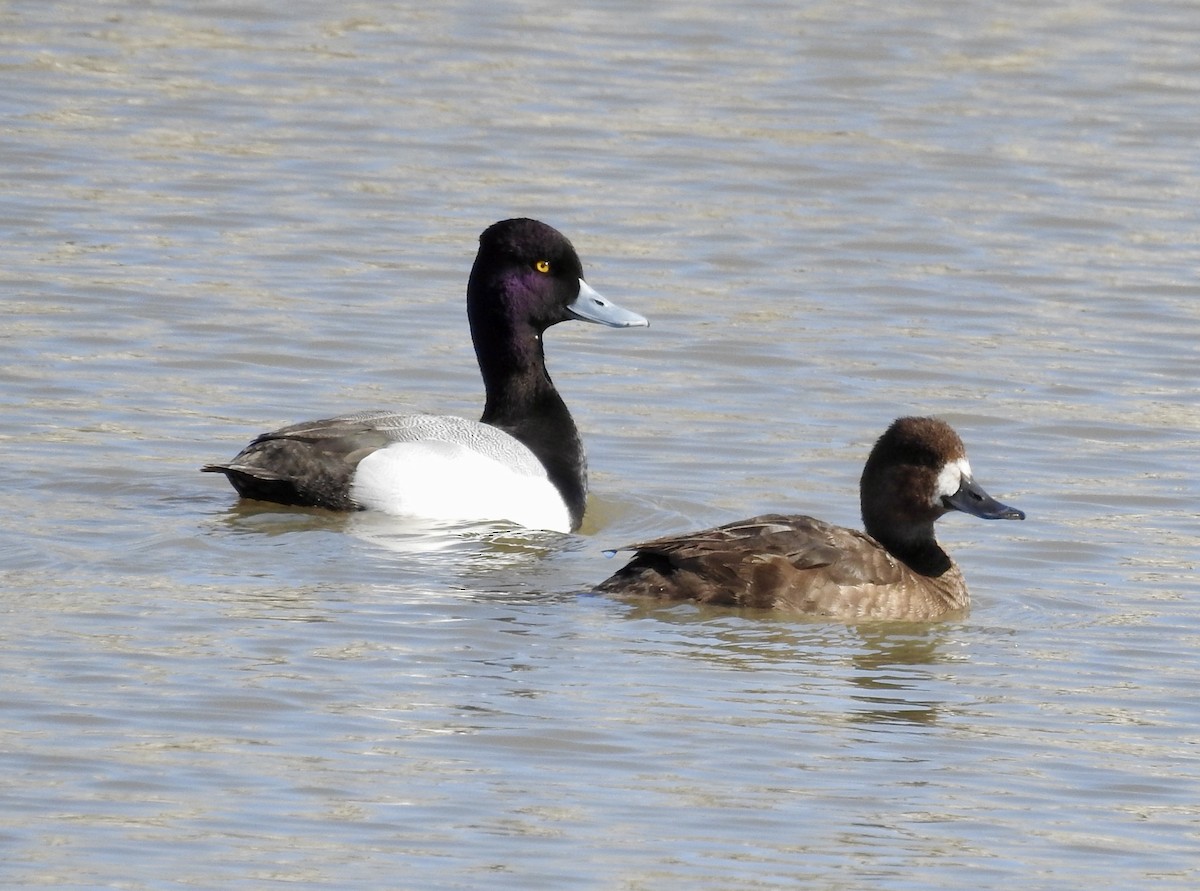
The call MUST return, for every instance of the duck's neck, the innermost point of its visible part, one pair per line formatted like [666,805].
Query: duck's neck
[917,548]
[522,401]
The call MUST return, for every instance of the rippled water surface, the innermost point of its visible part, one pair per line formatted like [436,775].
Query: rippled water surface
[218,218]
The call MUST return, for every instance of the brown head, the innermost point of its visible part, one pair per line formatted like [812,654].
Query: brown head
[918,471]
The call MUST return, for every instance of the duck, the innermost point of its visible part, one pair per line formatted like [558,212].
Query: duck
[916,473]
[521,463]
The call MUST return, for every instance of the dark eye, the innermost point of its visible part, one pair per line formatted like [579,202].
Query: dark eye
[542,265]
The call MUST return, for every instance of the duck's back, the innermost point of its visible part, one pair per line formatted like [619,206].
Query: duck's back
[314,463]
[793,563]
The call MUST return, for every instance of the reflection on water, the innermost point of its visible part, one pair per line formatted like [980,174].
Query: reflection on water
[895,676]
[245,517]
[477,558]
[892,665]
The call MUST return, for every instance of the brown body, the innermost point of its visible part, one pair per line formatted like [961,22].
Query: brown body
[916,472]
[791,563]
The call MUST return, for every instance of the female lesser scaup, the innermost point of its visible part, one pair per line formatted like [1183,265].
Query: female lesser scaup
[916,472]
[522,462]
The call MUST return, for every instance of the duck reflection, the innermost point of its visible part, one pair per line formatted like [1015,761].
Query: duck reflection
[436,555]
[888,672]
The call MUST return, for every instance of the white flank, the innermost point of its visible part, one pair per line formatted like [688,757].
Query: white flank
[452,481]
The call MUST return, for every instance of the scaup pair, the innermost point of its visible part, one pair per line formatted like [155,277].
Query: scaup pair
[524,462]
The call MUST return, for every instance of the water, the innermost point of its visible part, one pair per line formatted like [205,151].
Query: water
[221,218]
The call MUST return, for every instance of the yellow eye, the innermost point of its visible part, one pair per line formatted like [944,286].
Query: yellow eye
[542,265]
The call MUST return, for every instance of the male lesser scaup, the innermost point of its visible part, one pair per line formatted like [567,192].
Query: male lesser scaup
[521,462]
[916,472]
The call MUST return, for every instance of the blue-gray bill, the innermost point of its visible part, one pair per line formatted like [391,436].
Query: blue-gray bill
[972,499]
[591,306]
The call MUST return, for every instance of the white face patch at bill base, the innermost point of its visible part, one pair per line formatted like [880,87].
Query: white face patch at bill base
[950,480]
